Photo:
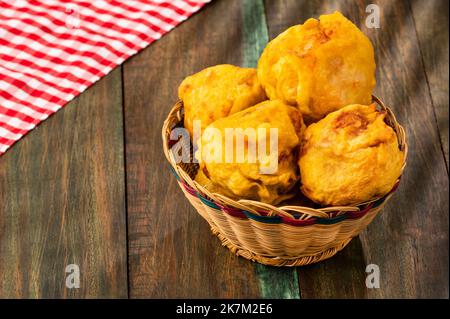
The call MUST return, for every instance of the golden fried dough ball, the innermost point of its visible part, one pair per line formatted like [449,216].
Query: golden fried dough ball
[350,156]
[217,92]
[319,66]
[261,172]
[203,180]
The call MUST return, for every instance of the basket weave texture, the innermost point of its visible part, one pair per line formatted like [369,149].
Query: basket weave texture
[282,235]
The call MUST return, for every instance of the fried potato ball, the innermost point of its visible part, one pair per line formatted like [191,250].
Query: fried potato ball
[203,180]
[217,92]
[349,157]
[319,66]
[262,171]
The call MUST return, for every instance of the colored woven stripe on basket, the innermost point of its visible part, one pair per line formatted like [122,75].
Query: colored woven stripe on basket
[52,50]
[265,218]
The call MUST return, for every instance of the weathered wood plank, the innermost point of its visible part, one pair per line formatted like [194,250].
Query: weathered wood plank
[171,250]
[62,202]
[431,21]
[409,240]
[274,282]
[343,276]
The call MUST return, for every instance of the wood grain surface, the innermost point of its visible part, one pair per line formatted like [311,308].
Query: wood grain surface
[62,201]
[412,230]
[171,250]
[432,31]
[91,186]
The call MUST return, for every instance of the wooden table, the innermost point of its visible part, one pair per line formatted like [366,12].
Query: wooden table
[90,186]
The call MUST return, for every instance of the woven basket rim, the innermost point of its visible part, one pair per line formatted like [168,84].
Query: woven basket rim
[297,216]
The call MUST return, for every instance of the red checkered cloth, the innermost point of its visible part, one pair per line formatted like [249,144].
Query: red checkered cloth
[52,50]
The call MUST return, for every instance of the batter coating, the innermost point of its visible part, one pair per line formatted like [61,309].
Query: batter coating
[217,92]
[246,179]
[350,156]
[319,66]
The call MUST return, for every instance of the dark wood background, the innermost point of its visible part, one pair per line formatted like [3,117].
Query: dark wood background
[90,186]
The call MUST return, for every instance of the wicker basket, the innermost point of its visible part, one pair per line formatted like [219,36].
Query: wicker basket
[275,236]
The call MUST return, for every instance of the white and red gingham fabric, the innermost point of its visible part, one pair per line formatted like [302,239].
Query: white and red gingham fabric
[52,50]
